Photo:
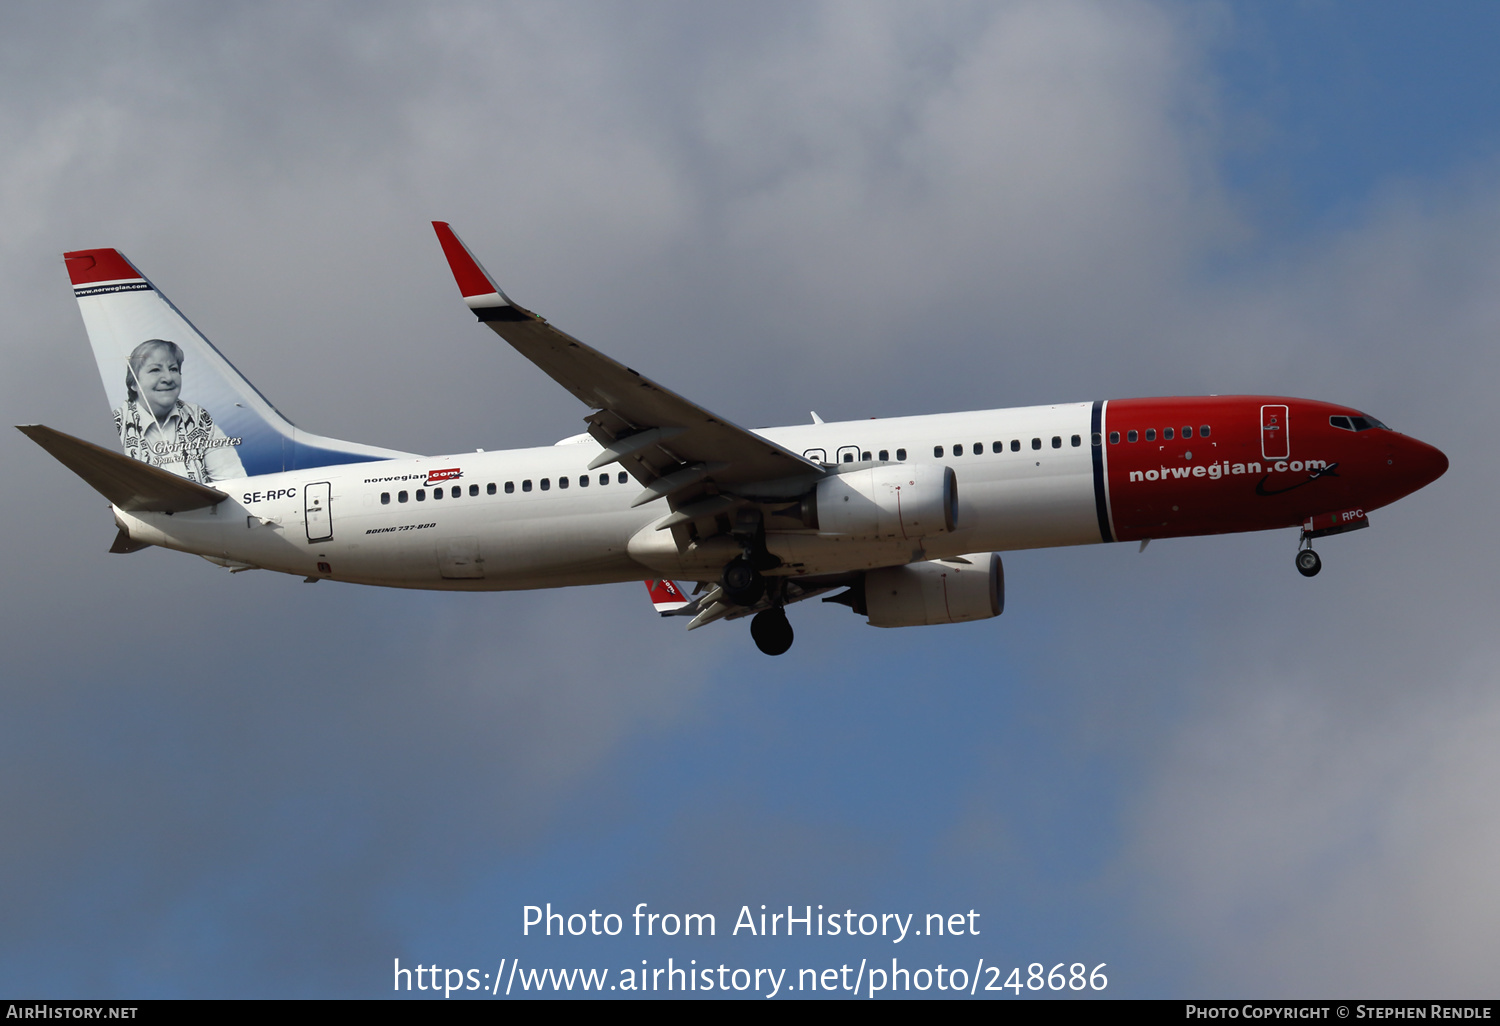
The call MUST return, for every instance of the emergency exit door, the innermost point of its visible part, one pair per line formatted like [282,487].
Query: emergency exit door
[316,503]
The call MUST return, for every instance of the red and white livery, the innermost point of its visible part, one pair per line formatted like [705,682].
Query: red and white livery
[901,519]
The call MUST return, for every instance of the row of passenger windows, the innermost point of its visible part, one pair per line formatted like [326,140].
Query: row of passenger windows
[510,486]
[821,455]
[937,450]
[1167,434]
[1015,446]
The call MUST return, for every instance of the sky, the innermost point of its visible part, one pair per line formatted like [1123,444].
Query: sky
[1190,764]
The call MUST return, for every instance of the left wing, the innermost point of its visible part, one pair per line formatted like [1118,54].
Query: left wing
[674,447]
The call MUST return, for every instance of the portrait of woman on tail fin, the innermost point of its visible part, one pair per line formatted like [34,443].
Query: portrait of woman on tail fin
[158,427]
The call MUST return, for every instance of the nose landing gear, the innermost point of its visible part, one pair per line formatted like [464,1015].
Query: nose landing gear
[1308,563]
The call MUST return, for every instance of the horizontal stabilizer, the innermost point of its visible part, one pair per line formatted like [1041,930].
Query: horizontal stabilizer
[129,484]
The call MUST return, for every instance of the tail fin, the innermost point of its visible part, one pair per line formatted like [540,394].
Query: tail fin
[178,403]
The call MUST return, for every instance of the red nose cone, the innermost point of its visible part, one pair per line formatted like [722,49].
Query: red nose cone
[1420,463]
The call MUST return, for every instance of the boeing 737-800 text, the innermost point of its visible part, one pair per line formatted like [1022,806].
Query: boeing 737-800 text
[900,519]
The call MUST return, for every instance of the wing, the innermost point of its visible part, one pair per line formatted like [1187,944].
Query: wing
[675,448]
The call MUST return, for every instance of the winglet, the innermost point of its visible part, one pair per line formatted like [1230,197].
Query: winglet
[666,596]
[474,283]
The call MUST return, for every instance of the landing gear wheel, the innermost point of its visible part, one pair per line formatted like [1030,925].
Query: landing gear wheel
[772,631]
[743,584]
[1308,563]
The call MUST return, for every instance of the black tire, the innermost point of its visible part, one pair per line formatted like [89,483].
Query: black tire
[772,631]
[1308,563]
[743,584]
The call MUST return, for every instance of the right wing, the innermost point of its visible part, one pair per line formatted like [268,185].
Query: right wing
[675,448]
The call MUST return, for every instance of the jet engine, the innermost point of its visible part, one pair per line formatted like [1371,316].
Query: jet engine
[970,587]
[892,500]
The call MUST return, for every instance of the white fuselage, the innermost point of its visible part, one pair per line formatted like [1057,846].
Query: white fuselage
[514,525]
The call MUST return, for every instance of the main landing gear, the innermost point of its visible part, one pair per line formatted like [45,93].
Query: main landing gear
[745,584]
[772,631]
[742,582]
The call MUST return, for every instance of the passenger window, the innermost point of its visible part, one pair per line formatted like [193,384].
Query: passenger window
[385,498]
[958,450]
[1057,441]
[583,480]
[1036,443]
[1131,436]
[1203,431]
[900,454]
[421,494]
[1114,438]
[848,457]
[1015,445]
[978,448]
[622,477]
[510,488]
[885,455]
[604,479]
[1166,434]
[526,485]
[997,447]
[937,450]
[400,496]
[457,491]
[474,489]
[1151,434]
[489,489]
[864,456]
[437,493]
[546,483]
[562,482]
[1075,441]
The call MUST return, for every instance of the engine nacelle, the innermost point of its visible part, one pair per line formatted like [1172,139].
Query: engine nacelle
[919,594]
[892,500]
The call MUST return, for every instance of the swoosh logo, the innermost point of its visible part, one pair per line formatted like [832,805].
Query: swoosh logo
[1328,471]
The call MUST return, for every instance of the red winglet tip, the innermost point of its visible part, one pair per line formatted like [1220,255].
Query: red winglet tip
[471,278]
[86,266]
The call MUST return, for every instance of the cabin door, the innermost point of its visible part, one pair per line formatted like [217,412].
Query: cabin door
[316,504]
[1274,443]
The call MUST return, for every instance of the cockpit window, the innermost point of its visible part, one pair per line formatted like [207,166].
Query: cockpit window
[1363,423]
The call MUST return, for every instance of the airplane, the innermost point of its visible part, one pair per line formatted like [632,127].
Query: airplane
[901,519]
